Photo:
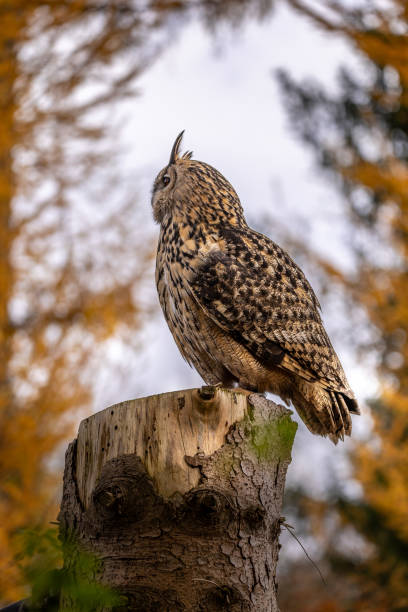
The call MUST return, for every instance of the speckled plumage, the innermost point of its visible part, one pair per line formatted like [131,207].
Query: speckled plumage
[240,310]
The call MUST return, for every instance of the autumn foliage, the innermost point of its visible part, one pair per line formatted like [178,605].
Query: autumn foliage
[72,252]
[64,288]
[361,137]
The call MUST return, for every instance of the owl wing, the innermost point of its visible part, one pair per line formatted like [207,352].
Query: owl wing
[251,288]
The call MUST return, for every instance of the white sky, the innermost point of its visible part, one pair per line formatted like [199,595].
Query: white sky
[222,92]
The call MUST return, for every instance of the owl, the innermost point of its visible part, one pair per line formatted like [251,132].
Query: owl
[241,311]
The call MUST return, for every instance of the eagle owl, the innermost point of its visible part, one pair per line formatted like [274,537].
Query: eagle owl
[239,308]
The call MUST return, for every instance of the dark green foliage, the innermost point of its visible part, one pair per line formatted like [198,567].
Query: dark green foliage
[40,560]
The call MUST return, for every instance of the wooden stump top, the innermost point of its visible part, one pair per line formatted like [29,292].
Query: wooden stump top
[162,430]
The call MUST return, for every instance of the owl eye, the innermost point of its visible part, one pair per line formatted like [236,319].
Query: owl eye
[166,179]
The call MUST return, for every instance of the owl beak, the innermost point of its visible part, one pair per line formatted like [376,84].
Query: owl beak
[175,150]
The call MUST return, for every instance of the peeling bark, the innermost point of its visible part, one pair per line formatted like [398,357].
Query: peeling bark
[180,496]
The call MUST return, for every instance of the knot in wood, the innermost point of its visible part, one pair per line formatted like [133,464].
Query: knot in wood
[206,404]
[207,392]
[124,491]
[113,498]
[207,508]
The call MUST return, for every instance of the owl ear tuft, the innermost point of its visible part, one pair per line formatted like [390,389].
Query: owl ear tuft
[174,155]
[187,155]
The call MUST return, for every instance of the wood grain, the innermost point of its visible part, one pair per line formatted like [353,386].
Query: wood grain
[161,429]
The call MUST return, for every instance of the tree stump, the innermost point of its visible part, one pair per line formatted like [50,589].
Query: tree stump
[180,496]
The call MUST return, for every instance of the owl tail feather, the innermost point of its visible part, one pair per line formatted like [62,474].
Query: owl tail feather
[324,411]
[341,417]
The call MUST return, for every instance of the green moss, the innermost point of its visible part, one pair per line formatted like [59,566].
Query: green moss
[273,441]
[250,412]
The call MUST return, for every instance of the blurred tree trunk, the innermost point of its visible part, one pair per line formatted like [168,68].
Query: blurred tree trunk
[180,494]
[10,32]
[7,138]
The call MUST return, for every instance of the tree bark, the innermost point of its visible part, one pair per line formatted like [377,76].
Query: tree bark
[180,496]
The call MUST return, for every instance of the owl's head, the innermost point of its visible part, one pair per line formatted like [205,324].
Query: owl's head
[193,190]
